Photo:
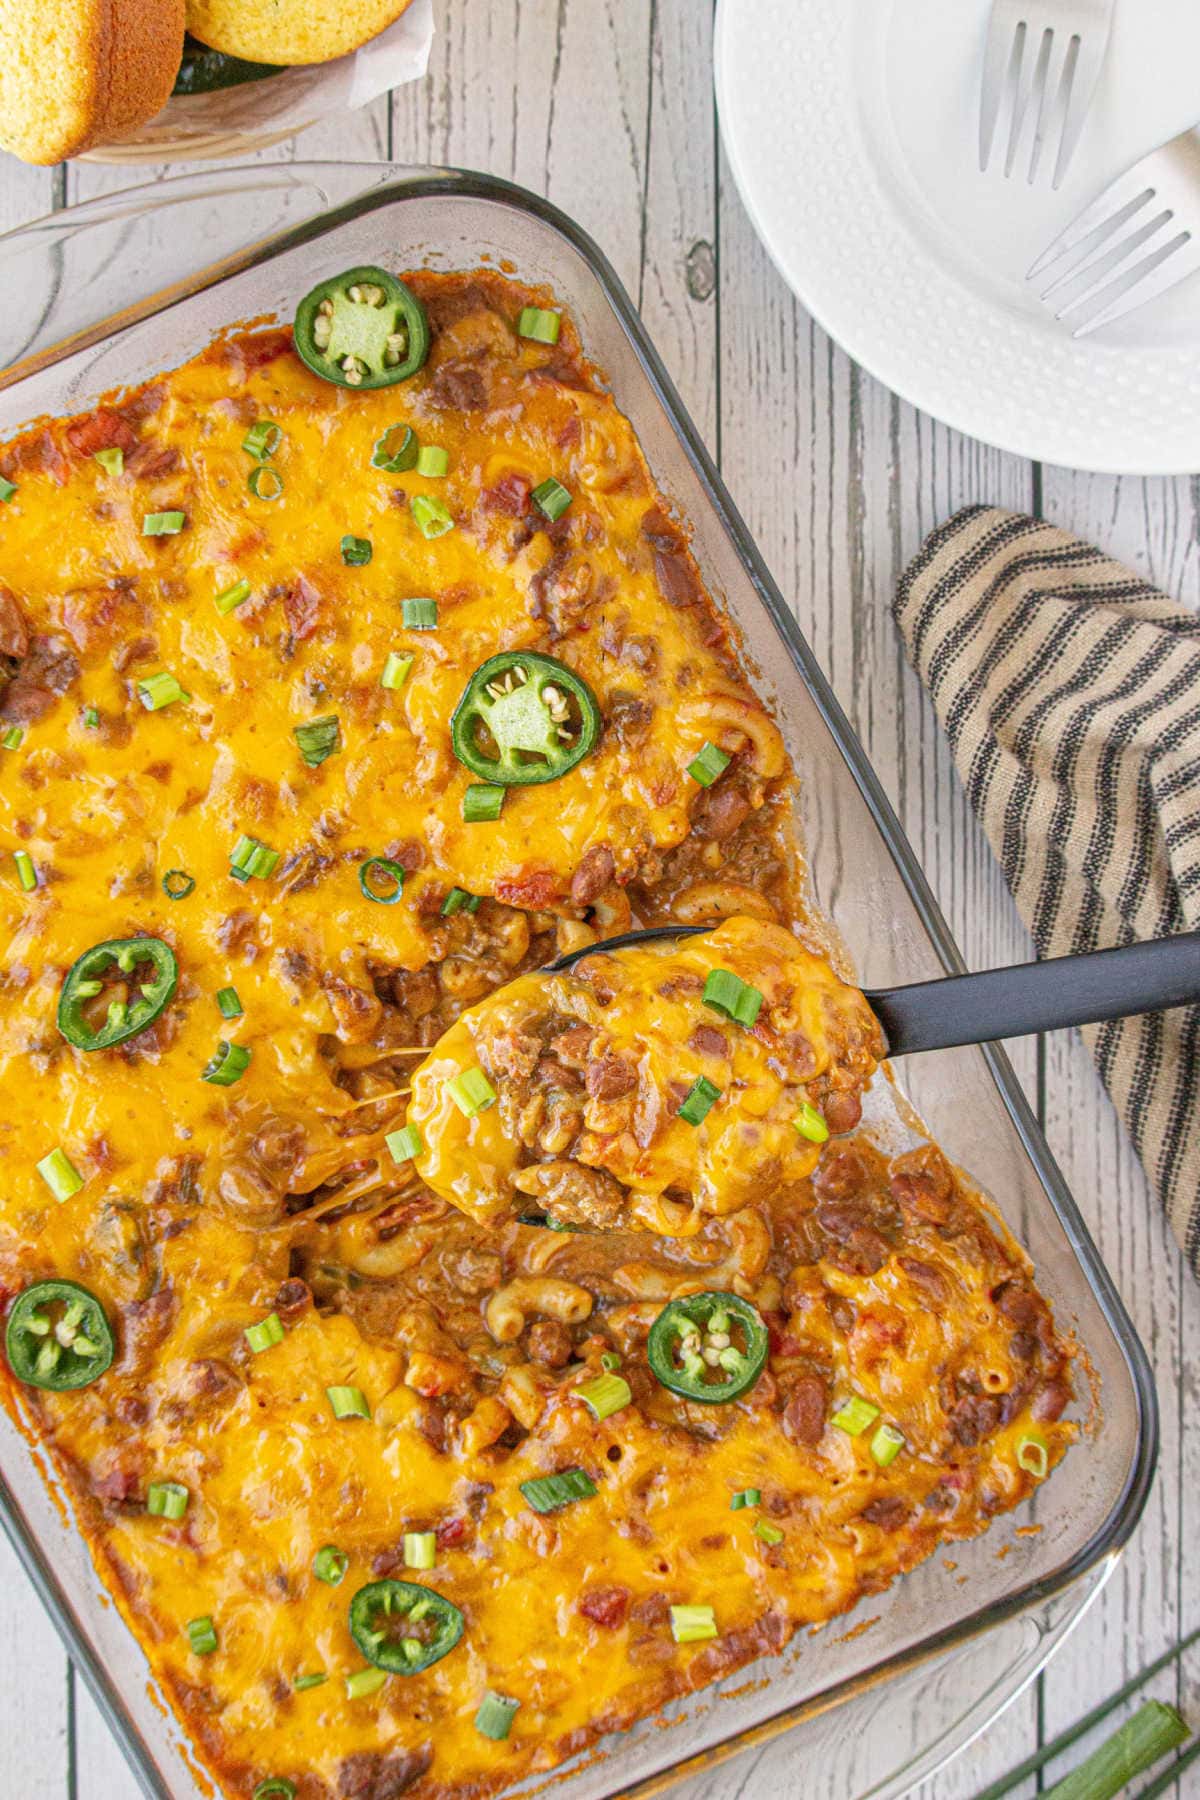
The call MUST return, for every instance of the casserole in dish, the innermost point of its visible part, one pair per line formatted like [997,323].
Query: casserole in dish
[842,811]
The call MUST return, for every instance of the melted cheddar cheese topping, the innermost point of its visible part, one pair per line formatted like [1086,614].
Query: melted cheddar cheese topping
[203,1209]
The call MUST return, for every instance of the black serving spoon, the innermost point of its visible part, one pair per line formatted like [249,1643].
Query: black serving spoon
[1005,1003]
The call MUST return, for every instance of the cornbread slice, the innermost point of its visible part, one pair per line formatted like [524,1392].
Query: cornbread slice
[289,31]
[74,73]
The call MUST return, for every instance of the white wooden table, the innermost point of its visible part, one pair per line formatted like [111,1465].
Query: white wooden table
[606,106]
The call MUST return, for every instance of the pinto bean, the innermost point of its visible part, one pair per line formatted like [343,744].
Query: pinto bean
[706,1040]
[917,1194]
[1015,1303]
[804,1414]
[1050,1402]
[595,871]
[924,1276]
[719,810]
[610,1077]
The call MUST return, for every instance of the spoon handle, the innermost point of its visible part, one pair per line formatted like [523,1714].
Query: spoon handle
[1040,996]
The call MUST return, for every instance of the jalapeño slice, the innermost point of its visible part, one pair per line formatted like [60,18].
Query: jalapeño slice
[114,990]
[362,329]
[709,1347]
[524,719]
[403,1627]
[58,1337]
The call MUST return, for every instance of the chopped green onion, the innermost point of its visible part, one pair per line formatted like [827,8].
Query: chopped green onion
[232,597]
[606,1395]
[404,1144]
[420,1549]
[727,993]
[432,460]
[458,900]
[701,1098]
[1033,1455]
[391,871]
[265,482]
[610,1360]
[770,1534]
[471,1092]
[157,691]
[276,1787]
[689,1624]
[482,801]
[356,552]
[13,738]
[227,1064]
[250,858]
[263,439]
[551,498]
[364,1682]
[810,1124]
[710,763]
[396,450]
[228,1004]
[1153,1730]
[166,1500]
[348,1402]
[495,1716]
[7,488]
[854,1415]
[26,873]
[395,670]
[318,739]
[60,1175]
[546,1493]
[111,461]
[91,718]
[330,1565]
[746,1497]
[177,884]
[433,519]
[202,1636]
[538,323]
[302,1683]
[419,615]
[266,1334]
[887,1444]
[163,524]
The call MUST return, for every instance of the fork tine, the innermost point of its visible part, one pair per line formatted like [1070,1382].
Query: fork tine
[1085,76]
[1120,200]
[1173,264]
[1103,260]
[997,59]
[1062,54]
[1025,90]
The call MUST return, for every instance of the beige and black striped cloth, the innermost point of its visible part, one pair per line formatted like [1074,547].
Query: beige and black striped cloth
[1070,692]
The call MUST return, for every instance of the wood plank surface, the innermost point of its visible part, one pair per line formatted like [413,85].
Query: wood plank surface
[606,106]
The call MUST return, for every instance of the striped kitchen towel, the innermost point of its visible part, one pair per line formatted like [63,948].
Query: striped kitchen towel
[1070,692]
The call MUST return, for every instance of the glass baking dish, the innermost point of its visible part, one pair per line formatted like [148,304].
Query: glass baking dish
[110,294]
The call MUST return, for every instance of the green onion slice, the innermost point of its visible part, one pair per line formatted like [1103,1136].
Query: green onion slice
[157,691]
[356,552]
[540,324]
[177,884]
[432,460]
[495,1716]
[330,1565]
[458,900]
[228,1004]
[1033,1455]
[276,1787]
[432,518]
[91,718]
[230,598]
[396,450]
[111,461]
[250,858]
[745,1497]
[708,764]
[60,1175]
[610,1360]
[302,1683]
[420,1549]
[481,802]
[727,993]
[471,1092]
[546,1493]
[887,1444]
[265,482]
[419,615]
[202,1636]
[854,1415]
[7,488]
[810,1124]
[265,1334]
[689,1624]
[263,439]
[348,1402]
[606,1395]
[318,739]
[26,873]
[166,1500]
[770,1534]
[702,1097]
[364,1682]
[13,738]
[395,670]
[163,524]
[227,1064]
[404,1144]
[371,870]
[551,498]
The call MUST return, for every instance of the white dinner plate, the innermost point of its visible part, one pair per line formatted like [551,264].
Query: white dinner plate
[851,127]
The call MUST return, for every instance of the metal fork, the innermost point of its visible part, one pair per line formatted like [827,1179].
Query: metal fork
[1045,53]
[1139,238]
